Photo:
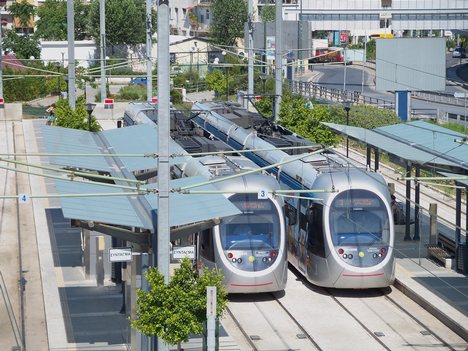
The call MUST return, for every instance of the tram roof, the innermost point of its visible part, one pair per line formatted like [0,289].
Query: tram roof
[417,141]
[134,210]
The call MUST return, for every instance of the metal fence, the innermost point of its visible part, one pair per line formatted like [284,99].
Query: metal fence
[318,92]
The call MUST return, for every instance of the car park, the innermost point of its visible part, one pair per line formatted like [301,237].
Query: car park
[138,81]
[459,52]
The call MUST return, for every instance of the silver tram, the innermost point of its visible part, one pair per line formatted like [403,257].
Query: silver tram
[341,239]
[249,248]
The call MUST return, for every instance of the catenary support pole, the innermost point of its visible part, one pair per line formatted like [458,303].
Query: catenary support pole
[71,54]
[102,30]
[144,342]
[408,204]
[163,145]
[1,56]
[278,56]
[250,72]
[149,44]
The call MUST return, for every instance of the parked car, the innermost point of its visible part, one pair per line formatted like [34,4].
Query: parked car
[459,52]
[138,81]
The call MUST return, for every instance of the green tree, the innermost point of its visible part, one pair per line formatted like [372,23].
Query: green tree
[174,311]
[295,116]
[370,49]
[52,22]
[364,116]
[228,21]
[22,46]
[77,119]
[216,81]
[268,13]
[24,12]
[125,21]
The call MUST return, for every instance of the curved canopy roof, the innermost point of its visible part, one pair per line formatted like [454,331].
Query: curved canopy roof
[419,142]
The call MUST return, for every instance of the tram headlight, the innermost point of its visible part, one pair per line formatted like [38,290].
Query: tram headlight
[239,260]
[350,256]
[340,251]
[230,255]
[382,250]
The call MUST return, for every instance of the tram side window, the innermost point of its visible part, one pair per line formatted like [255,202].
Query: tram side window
[291,214]
[207,245]
[316,241]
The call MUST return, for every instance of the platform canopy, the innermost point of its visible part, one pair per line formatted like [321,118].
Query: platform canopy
[138,139]
[419,142]
[123,210]
[127,211]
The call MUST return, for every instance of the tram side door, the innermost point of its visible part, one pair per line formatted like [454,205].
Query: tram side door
[302,244]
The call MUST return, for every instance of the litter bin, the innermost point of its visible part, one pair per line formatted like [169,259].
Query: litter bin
[462,258]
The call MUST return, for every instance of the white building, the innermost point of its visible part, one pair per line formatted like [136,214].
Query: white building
[365,17]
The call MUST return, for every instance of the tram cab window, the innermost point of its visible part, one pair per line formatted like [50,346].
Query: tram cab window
[315,241]
[206,244]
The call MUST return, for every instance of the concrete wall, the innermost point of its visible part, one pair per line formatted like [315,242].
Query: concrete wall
[11,112]
[58,51]
[113,114]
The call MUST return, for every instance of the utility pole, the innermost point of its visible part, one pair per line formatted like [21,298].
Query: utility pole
[149,44]
[278,56]
[71,54]
[1,57]
[163,232]
[250,72]
[102,26]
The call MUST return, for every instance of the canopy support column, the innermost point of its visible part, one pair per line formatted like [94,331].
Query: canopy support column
[408,203]
[416,207]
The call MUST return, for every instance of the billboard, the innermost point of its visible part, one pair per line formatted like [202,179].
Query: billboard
[410,64]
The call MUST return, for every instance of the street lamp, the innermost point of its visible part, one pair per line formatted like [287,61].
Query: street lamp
[347,106]
[227,76]
[58,81]
[90,108]
[263,77]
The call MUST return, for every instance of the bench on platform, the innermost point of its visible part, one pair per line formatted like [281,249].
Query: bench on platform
[444,251]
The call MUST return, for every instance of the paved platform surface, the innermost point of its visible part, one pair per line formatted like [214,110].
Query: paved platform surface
[80,315]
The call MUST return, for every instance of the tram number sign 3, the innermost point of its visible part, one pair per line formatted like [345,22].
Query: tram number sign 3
[121,254]
[262,194]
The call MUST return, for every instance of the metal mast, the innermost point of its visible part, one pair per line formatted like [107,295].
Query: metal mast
[71,54]
[278,57]
[102,26]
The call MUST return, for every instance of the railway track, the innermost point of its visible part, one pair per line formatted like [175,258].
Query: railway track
[306,317]
[267,325]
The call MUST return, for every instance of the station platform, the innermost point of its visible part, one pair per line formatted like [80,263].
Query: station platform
[69,326]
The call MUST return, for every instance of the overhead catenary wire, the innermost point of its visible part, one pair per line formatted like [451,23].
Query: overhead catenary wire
[70,179]
[252,171]
[73,173]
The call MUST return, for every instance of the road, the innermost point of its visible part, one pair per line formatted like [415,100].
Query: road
[332,76]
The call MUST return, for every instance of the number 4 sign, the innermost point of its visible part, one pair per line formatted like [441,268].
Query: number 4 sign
[23,198]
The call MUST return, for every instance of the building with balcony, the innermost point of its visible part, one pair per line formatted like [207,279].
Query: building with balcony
[190,17]
[366,17]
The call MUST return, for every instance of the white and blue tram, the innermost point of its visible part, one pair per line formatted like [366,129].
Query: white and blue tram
[249,248]
[341,239]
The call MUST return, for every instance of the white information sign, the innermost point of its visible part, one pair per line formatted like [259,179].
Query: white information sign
[23,198]
[120,254]
[460,95]
[180,252]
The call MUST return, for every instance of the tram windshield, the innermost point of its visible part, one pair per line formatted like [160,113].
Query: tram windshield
[359,217]
[257,228]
